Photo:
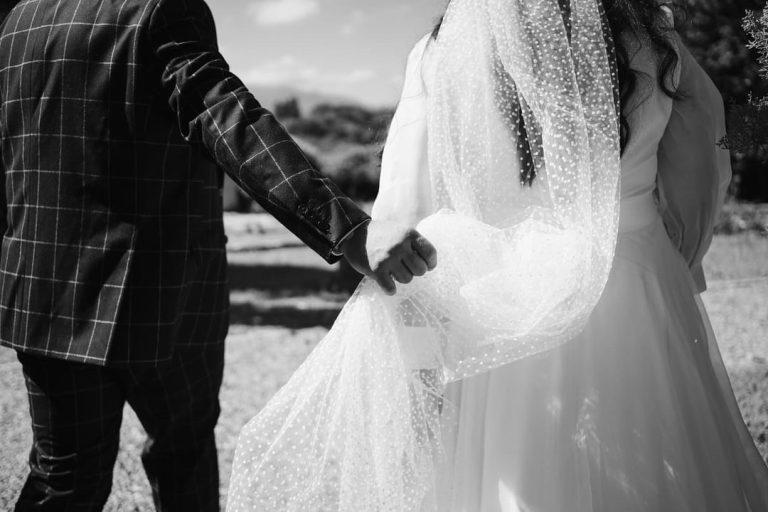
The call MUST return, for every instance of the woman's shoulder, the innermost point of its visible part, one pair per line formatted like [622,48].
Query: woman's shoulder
[420,49]
[414,79]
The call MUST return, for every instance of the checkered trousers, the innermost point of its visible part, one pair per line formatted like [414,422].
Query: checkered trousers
[76,411]
[116,117]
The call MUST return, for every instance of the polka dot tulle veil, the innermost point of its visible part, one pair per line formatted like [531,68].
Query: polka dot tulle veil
[514,88]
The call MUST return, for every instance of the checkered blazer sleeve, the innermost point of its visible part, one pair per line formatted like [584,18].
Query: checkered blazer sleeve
[3,198]
[4,10]
[215,109]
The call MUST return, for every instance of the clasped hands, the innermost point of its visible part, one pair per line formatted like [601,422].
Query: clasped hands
[389,251]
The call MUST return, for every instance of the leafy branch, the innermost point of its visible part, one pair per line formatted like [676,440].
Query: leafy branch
[756,25]
[748,123]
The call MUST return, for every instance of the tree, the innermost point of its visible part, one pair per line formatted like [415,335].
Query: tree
[748,121]
[357,173]
[714,33]
[352,123]
[288,109]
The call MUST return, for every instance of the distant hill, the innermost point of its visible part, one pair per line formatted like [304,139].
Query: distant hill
[342,137]
[270,95]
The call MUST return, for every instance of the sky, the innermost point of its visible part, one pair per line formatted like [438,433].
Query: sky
[353,49]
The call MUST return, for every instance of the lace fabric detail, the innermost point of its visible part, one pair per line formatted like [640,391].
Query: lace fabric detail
[511,84]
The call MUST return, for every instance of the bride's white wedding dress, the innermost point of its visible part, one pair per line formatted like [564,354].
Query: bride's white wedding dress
[637,413]
[450,395]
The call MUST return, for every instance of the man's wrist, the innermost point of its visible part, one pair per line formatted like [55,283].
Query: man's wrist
[338,249]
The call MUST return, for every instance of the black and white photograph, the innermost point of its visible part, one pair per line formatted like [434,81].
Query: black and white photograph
[384,256]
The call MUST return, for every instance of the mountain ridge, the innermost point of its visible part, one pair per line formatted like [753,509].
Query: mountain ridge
[270,95]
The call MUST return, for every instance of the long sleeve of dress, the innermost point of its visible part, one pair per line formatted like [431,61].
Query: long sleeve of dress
[694,171]
[404,187]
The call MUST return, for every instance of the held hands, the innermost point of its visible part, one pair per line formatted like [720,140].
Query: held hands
[388,252]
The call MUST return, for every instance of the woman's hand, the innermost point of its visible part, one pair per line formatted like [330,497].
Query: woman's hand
[388,252]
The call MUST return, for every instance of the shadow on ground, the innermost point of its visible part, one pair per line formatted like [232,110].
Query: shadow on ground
[284,298]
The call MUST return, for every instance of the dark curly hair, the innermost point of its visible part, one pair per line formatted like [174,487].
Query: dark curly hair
[643,18]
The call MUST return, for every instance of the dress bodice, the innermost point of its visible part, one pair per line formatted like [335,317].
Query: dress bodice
[649,112]
[672,166]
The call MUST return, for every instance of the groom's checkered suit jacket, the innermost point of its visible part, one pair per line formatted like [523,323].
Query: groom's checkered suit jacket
[116,119]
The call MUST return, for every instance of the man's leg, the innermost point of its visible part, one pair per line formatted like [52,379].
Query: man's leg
[178,404]
[76,411]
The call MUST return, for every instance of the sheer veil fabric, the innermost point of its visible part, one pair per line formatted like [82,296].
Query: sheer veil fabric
[515,86]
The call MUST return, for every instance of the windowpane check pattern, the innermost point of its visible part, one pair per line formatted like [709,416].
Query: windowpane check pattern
[76,411]
[117,120]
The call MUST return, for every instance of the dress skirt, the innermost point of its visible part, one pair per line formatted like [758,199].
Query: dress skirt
[635,415]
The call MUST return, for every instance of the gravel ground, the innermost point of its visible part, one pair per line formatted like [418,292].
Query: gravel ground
[260,358]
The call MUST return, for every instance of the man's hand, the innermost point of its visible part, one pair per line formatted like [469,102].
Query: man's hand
[389,252]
